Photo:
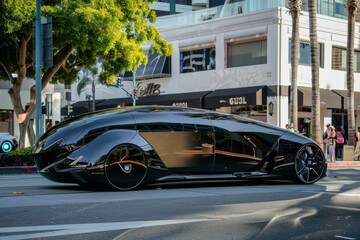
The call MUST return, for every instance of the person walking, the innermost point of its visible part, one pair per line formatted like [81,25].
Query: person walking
[326,139]
[332,144]
[341,140]
[357,146]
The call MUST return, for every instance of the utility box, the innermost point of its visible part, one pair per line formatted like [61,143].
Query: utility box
[348,153]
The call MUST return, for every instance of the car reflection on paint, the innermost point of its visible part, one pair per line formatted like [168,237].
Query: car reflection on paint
[130,147]
[8,142]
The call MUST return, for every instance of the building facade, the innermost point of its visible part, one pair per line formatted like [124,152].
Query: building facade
[236,58]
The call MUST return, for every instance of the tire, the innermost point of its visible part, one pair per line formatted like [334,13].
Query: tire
[6,147]
[125,167]
[310,164]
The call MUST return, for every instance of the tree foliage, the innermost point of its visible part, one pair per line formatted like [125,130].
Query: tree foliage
[84,31]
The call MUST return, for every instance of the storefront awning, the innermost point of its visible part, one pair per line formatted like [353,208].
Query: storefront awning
[343,94]
[114,102]
[191,99]
[328,98]
[236,97]
[80,107]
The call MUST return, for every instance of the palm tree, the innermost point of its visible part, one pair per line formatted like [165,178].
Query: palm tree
[295,11]
[351,6]
[314,48]
[86,81]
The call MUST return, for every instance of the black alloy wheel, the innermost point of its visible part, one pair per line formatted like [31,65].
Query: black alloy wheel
[125,167]
[310,164]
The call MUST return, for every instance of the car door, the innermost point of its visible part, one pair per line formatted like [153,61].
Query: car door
[184,140]
[241,144]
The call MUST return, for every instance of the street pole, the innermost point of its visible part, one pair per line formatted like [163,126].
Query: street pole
[134,86]
[38,65]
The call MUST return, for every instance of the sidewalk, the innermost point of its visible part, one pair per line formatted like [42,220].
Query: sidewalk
[32,169]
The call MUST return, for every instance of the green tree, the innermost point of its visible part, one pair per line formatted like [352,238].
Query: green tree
[295,11]
[314,48]
[113,31]
[351,6]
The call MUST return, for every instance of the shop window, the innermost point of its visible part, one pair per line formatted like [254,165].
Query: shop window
[7,121]
[338,60]
[305,53]
[247,53]
[197,60]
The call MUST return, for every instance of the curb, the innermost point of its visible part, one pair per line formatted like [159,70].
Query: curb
[18,170]
[344,164]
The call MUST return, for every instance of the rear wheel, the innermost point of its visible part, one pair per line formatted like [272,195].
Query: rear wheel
[310,164]
[125,167]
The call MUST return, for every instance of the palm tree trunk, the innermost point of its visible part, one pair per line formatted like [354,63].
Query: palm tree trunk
[295,10]
[315,106]
[351,6]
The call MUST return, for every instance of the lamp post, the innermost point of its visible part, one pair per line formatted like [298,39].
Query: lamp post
[38,65]
[134,86]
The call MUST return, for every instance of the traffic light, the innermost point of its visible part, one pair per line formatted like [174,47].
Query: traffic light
[70,109]
[43,109]
[136,92]
[118,82]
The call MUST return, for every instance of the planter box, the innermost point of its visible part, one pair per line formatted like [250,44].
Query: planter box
[348,153]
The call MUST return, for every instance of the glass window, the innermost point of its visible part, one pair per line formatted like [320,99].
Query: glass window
[247,53]
[305,53]
[7,121]
[197,60]
[338,61]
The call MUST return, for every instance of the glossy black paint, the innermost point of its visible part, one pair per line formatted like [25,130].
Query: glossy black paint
[126,148]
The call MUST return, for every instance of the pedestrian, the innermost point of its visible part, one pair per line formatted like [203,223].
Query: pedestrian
[326,138]
[332,144]
[357,146]
[341,140]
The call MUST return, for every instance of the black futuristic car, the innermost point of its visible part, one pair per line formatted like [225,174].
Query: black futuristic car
[129,147]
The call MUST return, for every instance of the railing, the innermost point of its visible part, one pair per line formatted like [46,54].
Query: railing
[330,8]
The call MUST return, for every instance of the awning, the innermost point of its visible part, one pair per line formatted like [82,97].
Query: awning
[191,99]
[343,94]
[236,97]
[328,98]
[80,107]
[114,102]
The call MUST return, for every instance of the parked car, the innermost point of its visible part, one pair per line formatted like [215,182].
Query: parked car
[129,147]
[8,142]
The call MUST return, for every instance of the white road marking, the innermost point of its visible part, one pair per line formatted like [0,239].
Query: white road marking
[342,237]
[68,229]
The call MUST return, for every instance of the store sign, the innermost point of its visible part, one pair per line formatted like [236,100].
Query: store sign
[237,101]
[151,89]
[180,104]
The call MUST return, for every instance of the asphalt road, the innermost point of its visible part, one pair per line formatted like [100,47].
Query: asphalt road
[32,207]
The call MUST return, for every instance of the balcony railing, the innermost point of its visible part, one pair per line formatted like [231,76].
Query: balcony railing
[330,8]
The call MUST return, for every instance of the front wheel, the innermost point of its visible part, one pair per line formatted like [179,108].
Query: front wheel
[310,164]
[6,147]
[125,167]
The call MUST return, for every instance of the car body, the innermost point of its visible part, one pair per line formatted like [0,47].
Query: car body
[129,147]
[8,142]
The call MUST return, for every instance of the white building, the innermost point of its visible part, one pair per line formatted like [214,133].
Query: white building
[236,58]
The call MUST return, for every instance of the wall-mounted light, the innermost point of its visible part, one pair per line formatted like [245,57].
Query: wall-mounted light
[271,108]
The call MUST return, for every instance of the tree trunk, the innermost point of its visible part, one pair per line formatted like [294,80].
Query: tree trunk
[31,132]
[315,107]
[295,10]
[351,7]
